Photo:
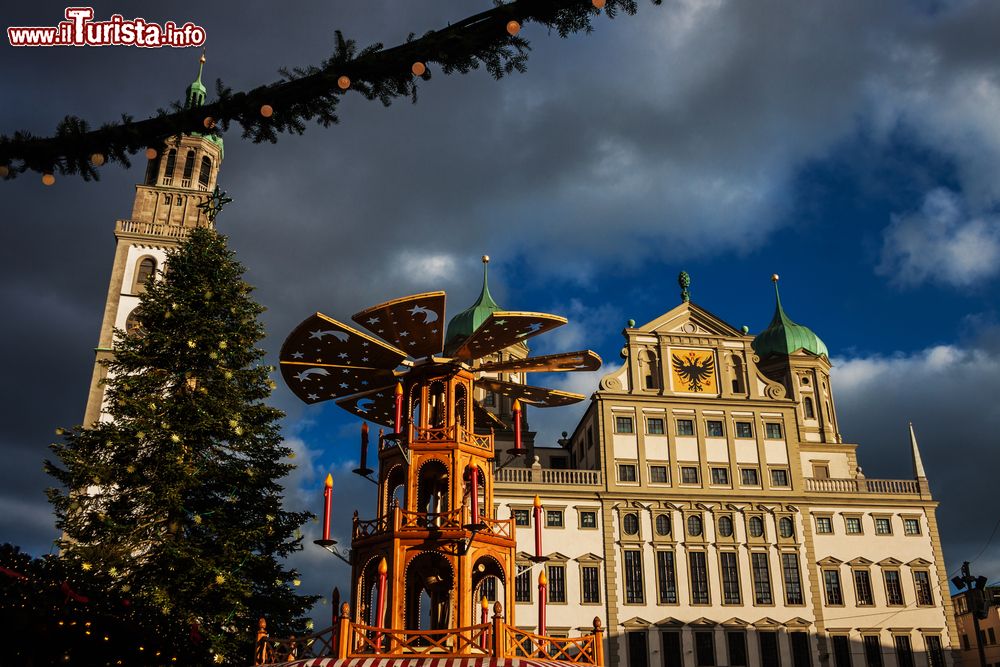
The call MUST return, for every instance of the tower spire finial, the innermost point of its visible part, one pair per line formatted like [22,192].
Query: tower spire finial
[196,91]
[918,464]
[684,280]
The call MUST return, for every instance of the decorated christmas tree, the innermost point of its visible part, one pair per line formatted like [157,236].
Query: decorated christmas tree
[176,496]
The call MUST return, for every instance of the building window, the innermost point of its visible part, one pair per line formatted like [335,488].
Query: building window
[638,649]
[749,477]
[557,583]
[800,649]
[713,428]
[785,527]
[633,577]
[725,526]
[965,643]
[133,325]
[666,577]
[779,477]
[522,517]
[831,582]
[755,526]
[736,643]
[935,656]
[772,431]
[206,171]
[824,525]
[658,475]
[489,589]
[649,369]
[694,526]
[720,476]
[744,430]
[808,408]
[623,425]
[893,588]
[793,582]
[522,583]
[654,426]
[630,524]
[188,166]
[704,645]
[171,163]
[863,588]
[685,427]
[912,527]
[588,519]
[590,584]
[662,524]
[627,472]
[842,651]
[490,399]
[873,650]
[821,471]
[922,585]
[553,519]
[699,577]
[769,656]
[853,525]
[992,636]
[144,273]
[689,475]
[904,652]
[761,578]
[730,577]
[883,525]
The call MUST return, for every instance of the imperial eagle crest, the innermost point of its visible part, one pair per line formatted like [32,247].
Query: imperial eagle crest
[694,369]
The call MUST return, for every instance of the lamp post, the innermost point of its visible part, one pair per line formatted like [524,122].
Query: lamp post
[979,605]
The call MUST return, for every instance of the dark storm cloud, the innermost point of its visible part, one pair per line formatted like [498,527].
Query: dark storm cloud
[676,133]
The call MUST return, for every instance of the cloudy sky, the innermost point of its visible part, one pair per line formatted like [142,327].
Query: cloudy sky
[850,146]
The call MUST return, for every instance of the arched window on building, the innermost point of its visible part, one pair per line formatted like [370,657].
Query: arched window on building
[736,371]
[206,172]
[152,169]
[649,369]
[808,409]
[188,168]
[132,323]
[144,272]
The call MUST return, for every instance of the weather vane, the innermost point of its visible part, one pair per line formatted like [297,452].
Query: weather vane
[214,204]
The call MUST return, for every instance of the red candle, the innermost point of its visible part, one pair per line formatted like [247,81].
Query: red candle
[380,604]
[543,587]
[364,445]
[516,410]
[399,407]
[483,619]
[327,497]
[538,526]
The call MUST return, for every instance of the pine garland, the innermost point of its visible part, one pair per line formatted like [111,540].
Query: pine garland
[304,94]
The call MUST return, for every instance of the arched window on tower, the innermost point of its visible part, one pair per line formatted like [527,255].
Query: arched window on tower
[132,323]
[438,405]
[188,169]
[808,409]
[152,169]
[206,172]
[649,369]
[144,272]
[168,171]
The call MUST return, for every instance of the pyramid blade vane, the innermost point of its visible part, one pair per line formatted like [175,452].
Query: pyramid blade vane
[414,324]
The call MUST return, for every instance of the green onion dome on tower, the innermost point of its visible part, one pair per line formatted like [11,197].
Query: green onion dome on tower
[195,97]
[462,325]
[783,336]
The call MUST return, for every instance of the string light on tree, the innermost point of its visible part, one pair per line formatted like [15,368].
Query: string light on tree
[513,27]
[150,153]
[48,179]
[266,111]
[343,82]
[418,68]
[97,159]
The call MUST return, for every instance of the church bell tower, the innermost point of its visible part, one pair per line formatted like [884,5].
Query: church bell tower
[178,178]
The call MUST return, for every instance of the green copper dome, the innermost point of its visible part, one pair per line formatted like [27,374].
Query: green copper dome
[462,325]
[195,97]
[783,336]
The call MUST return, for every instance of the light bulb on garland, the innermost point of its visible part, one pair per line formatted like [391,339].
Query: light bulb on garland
[150,153]
[97,159]
[209,122]
[48,179]
[513,27]
[599,4]
[343,83]
[418,68]
[266,111]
